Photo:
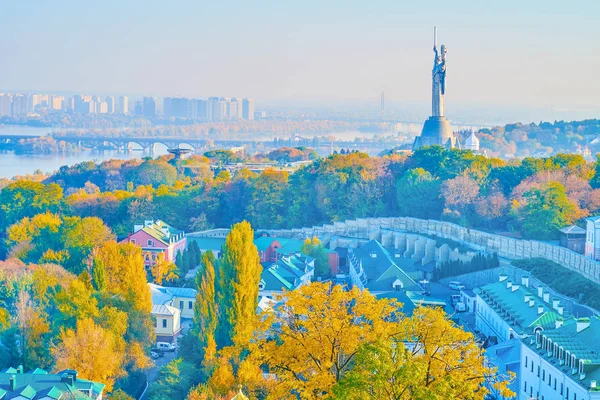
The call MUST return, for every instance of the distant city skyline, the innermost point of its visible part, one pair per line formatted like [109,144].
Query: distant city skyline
[536,58]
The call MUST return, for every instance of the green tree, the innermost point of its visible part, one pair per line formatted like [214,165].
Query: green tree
[205,309]
[175,380]
[314,248]
[418,194]
[547,209]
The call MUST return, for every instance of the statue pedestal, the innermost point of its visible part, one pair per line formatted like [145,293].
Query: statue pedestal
[436,132]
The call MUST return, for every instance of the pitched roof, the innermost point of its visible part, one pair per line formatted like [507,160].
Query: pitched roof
[161,309]
[286,273]
[511,306]
[155,229]
[36,385]
[262,243]
[164,294]
[573,230]
[381,269]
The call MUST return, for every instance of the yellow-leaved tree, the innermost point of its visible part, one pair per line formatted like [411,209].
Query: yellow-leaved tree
[163,270]
[327,342]
[92,351]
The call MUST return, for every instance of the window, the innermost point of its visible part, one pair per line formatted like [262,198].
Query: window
[133,241]
[164,323]
[149,242]
[532,366]
[562,386]
[190,305]
[574,396]
[549,379]
[554,383]
[181,305]
[538,374]
[526,361]
[543,374]
[525,387]
[567,393]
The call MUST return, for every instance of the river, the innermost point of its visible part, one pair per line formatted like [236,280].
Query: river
[12,164]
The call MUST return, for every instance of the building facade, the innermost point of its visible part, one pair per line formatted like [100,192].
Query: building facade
[155,238]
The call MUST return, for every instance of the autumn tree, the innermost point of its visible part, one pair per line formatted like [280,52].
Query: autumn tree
[429,358]
[174,381]
[418,194]
[92,351]
[163,270]
[205,309]
[237,286]
[314,337]
[546,210]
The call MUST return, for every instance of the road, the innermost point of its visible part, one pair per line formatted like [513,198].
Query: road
[152,373]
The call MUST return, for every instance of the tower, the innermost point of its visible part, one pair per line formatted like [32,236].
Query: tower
[437,129]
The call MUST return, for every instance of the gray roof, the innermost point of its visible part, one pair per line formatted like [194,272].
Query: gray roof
[573,229]
[160,309]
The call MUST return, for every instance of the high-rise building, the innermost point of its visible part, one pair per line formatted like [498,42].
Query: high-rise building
[55,102]
[138,109]
[122,105]
[149,107]
[198,109]
[237,106]
[5,105]
[248,108]
[102,107]
[83,104]
[110,103]
[21,105]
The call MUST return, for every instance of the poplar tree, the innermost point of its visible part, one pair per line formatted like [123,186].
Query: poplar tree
[205,308]
[237,290]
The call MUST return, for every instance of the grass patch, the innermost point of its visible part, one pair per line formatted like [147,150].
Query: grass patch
[563,280]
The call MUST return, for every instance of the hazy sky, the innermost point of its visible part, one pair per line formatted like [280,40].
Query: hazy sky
[525,53]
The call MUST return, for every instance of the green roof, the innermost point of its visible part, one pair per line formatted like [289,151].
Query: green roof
[39,384]
[262,243]
[511,306]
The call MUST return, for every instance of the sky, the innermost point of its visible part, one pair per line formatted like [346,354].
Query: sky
[541,56]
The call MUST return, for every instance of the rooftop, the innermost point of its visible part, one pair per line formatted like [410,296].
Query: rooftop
[573,230]
[161,309]
[39,384]
[161,231]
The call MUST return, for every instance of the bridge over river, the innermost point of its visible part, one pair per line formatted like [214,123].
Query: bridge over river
[197,144]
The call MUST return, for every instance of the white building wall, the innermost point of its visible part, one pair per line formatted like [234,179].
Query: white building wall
[532,385]
[489,322]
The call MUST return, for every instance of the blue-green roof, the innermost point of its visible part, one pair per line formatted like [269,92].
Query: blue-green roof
[36,384]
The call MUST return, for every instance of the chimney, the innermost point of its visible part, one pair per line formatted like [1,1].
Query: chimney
[547,297]
[560,309]
[508,284]
[526,298]
[555,303]
[503,277]
[540,310]
[13,383]
[525,281]
[148,223]
[20,369]
[582,323]
[515,287]
[592,384]
[540,291]
[67,378]
[531,302]
[558,323]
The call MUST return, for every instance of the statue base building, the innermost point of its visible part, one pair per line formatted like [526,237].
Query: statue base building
[437,132]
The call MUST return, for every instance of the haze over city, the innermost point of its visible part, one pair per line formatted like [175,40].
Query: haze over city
[510,60]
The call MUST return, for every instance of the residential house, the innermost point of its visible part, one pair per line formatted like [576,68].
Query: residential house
[40,385]
[168,322]
[270,249]
[287,273]
[181,298]
[169,305]
[372,267]
[506,357]
[157,237]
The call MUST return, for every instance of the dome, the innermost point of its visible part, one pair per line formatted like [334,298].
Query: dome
[472,142]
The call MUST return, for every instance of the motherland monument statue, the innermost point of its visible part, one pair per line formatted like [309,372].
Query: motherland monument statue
[437,129]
